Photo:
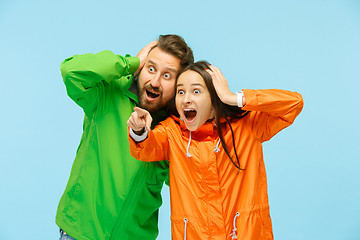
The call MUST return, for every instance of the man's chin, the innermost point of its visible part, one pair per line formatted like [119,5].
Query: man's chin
[151,107]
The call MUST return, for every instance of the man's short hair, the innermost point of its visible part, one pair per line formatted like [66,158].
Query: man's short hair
[176,46]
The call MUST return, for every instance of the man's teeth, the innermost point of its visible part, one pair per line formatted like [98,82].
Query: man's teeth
[152,94]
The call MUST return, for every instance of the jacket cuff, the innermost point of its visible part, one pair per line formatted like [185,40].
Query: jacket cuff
[134,63]
[138,138]
[251,97]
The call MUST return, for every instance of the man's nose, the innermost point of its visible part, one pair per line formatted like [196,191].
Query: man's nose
[155,82]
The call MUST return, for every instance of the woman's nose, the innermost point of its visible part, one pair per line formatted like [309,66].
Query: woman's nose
[187,99]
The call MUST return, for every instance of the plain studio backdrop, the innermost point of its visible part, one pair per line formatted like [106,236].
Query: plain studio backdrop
[309,46]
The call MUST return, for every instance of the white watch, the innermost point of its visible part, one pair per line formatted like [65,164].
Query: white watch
[239,98]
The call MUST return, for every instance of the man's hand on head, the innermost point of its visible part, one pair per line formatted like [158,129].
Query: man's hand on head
[143,54]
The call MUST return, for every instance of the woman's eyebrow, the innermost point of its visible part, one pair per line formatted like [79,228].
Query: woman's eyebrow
[197,84]
[193,84]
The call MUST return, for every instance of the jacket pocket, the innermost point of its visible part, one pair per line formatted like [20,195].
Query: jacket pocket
[184,228]
[252,225]
[158,173]
[267,231]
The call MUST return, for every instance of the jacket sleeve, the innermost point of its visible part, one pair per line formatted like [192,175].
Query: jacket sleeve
[85,75]
[271,110]
[154,148]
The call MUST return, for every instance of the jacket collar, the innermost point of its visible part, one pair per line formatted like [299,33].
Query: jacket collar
[207,130]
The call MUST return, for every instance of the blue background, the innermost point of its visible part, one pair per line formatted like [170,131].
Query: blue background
[309,46]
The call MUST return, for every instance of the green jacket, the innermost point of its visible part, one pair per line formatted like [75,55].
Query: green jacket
[109,195]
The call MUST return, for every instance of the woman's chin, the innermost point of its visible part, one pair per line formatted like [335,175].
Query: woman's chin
[192,127]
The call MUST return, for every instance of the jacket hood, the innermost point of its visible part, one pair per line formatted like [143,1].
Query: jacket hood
[208,129]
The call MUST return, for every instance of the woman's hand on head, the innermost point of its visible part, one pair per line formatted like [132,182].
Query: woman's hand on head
[139,120]
[222,87]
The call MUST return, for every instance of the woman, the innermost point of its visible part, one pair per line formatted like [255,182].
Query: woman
[218,185]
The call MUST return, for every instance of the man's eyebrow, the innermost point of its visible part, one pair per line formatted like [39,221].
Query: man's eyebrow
[171,69]
[152,62]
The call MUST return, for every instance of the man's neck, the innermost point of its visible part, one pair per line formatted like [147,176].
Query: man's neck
[134,87]
[157,116]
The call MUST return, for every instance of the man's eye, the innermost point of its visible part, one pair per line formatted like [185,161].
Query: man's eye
[151,69]
[167,75]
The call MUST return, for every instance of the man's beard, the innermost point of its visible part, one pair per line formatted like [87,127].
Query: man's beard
[143,102]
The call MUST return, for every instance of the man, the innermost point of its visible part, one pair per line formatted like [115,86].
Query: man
[109,194]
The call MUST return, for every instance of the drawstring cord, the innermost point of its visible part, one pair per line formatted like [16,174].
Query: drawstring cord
[185,221]
[216,149]
[188,146]
[233,235]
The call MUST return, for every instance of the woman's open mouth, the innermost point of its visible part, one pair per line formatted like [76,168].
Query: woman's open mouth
[190,114]
[151,95]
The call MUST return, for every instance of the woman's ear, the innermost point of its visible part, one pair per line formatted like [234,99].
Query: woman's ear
[212,113]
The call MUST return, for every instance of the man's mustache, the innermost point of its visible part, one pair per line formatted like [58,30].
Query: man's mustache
[155,89]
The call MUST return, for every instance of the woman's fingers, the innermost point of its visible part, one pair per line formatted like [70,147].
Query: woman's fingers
[221,86]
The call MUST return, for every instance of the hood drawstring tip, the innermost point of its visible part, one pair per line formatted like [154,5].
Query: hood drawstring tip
[233,234]
[188,146]
[216,149]
[185,221]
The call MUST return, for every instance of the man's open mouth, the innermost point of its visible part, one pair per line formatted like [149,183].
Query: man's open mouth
[151,94]
[190,114]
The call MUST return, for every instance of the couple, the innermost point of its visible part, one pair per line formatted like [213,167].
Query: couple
[112,196]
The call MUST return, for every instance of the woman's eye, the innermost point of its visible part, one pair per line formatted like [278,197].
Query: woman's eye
[180,92]
[196,91]
[151,69]
[166,75]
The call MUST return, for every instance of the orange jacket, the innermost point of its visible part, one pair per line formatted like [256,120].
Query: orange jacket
[210,199]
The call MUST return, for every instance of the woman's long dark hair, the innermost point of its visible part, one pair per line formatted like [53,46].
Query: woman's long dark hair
[220,109]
